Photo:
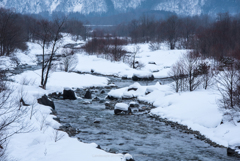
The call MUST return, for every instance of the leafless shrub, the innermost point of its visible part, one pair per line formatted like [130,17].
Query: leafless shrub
[153,46]
[69,62]
[112,48]
[207,74]
[133,63]
[21,97]
[57,135]
[228,82]
[43,122]
[33,110]
[191,63]
[15,60]
[178,76]
[3,85]
[12,119]
[186,73]
[27,81]
[140,65]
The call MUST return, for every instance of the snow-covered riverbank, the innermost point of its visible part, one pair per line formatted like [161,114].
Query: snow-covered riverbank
[198,110]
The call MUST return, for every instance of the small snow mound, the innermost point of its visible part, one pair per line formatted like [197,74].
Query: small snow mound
[121,106]
[128,157]
[93,145]
[234,143]
[150,89]
[127,95]
[135,85]
[133,103]
[112,85]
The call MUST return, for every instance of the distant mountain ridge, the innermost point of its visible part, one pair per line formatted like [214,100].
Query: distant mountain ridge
[86,7]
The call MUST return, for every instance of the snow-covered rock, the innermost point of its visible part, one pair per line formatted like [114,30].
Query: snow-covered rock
[143,76]
[121,108]
[128,157]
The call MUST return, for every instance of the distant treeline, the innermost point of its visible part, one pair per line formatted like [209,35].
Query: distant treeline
[215,37]
[212,37]
[17,29]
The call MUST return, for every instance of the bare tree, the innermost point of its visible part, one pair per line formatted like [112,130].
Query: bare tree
[228,85]
[190,63]
[11,32]
[136,50]
[171,31]
[207,74]
[154,45]
[177,74]
[49,35]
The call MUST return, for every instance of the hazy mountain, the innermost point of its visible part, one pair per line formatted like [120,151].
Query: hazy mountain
[86,7]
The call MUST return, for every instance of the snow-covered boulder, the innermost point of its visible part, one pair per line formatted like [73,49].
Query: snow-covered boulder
[44,100]
[143,76]
[128,157]
[134,87]
[133,104]
[121,108]
[133,107]
[88,95]
[150,89]
[109,105]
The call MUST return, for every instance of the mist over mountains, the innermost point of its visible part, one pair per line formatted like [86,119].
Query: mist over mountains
[86,7]
[117,11]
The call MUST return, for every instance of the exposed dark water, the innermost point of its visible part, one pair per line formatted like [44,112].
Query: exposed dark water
[146,139]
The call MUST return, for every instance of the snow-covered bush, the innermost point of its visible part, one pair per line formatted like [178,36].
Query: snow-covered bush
[153,46]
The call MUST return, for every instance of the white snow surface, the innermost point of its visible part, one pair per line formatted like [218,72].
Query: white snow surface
[60,80]
[163,58]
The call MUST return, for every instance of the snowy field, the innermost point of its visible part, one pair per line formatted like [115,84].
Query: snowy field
[163,58]
[198,110]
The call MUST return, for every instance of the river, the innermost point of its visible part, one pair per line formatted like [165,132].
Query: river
[145,138]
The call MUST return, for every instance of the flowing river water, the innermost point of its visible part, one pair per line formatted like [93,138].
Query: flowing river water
[145,138]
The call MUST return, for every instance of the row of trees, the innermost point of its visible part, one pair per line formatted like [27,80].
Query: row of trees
[109,46]
[17,29]
[221,38]
[148,29]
